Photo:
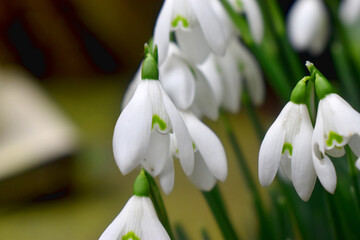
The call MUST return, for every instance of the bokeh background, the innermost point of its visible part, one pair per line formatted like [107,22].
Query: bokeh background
[64,66]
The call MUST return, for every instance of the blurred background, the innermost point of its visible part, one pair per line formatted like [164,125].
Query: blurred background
[64,68]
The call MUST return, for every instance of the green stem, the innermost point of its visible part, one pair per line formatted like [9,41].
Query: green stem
[268,60]
[273,15]
[354,178]
[159,205]
[253,116]
[354,59]
[217,206]
[334,216]
[343,70]
[266,229]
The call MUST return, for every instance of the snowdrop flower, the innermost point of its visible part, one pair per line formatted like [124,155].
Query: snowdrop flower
[142,132]
[196,26]
[349,11]
[286,146]
[210,158]
[228,74]
[138,219]
[337,124]
[308,26]
[253,13]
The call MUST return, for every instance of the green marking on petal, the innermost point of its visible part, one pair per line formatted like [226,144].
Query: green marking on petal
[178,19]
[194,146]
[161,123]
[287,146]
[130,236]
[333,136]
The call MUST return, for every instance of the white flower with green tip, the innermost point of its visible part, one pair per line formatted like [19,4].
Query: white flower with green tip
[337,124]
[308,26]
[287,146]
[138,219]
[196,26]
[142,132]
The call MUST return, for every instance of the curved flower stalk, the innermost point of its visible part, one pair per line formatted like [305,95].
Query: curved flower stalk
[349,11]
[337,124]
[196,26]
[142,132]
[228,74]
[308,26]
[286,146]
[210,158]
[138,219]
[252,11]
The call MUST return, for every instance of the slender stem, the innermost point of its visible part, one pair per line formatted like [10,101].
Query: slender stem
[266,229]
[273,15]
[159,205]
[344,72]
[253,116]
[354,177]
[341,32]
[268,60]
[217,206]
[334,217]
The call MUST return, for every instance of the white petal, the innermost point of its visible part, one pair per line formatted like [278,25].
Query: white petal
[303,172]
[201,176]
[209,146]
[308,25]
[166,177]
[209,69]
[131,88]
[224,19]
[336,152]
[128,220]
[349,11]
[231,81]
[354,144]
[205,101]
[322,164]
[254,16]
[157,153]
[162,30]
[178,82]
[285,166]
[357,164]
[210,26]
[193,44]
[151,226]
[255,84]
[182,135]
[132,130]
[271,149]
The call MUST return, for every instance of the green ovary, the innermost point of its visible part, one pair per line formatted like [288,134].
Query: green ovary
[161,123]
[287,146]
[130,236]
[333,136]
[178,19]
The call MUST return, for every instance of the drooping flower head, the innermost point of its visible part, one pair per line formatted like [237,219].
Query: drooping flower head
[286,146]
[337,124]
[142,132]
[197,29]
[138,219]
[308,26]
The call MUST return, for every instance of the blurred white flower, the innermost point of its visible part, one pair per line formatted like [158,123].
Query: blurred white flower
[253,13]
[337,124]
[228,74]
[349,11]
[196,26]
[137,220]
[287,147]
[308,26]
